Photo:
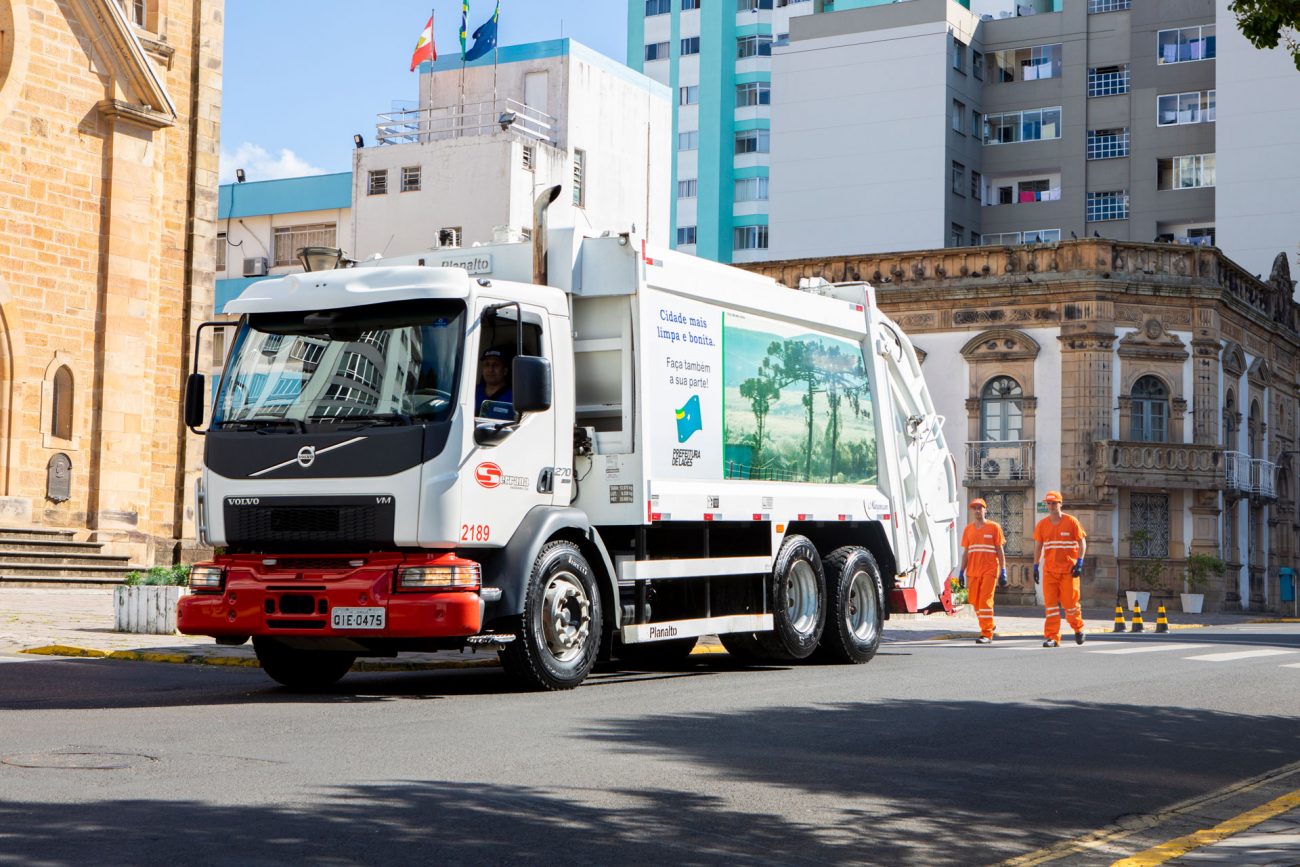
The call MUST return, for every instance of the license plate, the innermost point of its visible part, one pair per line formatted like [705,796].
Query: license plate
[358,618]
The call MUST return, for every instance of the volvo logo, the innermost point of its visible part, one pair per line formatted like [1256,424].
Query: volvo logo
[306,456]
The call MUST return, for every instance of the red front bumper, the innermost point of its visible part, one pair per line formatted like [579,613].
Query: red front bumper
[294,596]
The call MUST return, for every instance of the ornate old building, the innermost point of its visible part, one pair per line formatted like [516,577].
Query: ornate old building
[1155,385]
[109,117]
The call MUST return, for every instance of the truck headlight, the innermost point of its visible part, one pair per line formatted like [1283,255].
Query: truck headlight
[207,577]
[451,574]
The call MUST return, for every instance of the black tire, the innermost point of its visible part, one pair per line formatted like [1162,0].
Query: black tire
[559,654]
[854,613]
[798,601]
[744,647]
[301,669]
[656,653]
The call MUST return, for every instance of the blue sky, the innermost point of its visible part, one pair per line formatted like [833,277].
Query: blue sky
[301,77]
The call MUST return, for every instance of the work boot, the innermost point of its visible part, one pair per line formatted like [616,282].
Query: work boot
[984,639]
[1078,638]
[1051,642]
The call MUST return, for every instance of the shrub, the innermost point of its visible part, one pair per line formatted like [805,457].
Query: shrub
[160,576]
[1200,568]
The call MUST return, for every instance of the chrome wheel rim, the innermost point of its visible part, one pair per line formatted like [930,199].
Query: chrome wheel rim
[860,614]
[566,616]
[801,597]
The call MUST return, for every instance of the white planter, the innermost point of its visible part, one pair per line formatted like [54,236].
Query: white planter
[1143,597]
[148,609]
[1192,602]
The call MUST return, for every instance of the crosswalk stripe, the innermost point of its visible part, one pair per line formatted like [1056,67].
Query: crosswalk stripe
[1150,648]
[1291,665]
[1238,654]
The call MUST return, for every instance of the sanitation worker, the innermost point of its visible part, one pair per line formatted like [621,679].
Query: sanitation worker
[983,561]
[1059,545]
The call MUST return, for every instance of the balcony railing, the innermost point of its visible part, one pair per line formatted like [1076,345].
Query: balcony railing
[470,119]
[1025,197]
[1172,465]
[1263,478]
[1237,472]
[992,462]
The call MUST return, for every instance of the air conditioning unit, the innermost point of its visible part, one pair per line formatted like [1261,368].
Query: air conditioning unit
[255,266]
[993,468]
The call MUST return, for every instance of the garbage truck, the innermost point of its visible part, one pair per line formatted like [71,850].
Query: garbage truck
[680,448]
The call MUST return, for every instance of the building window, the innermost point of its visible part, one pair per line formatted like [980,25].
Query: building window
[1019,126]
[579,178]
[957,54]
[377,183]
[1002,410]
[975,239]
[754,141]
[1185,173]
[1008,509]
[221,251]
[688,141]
[529,158]
[976,189]
[754,46]
[688,95]
[658,7]
[1185,44]
[751,190]
[996,238]
[974,122]
[690,45]
[956,235]
[688,5]
[1041,236]
[288,240]
[750,238]
[685,235]
[1108,80]
[137,11]
[1108,5]
[1173,109]
[1027,64]
[1110,205]
[656,51]
[1148,522]
[61,409]
[958,115]
[1149,412]
[410,179]
[1107,144]
[753,93]
[752,5]
[958,178]
[687,189]
[977,64]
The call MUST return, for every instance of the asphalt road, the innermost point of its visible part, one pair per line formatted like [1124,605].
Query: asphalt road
[937,752]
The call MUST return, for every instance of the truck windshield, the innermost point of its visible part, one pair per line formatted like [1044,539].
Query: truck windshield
[393,363]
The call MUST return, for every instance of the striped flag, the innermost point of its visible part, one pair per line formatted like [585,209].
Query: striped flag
[464,27]
[425,49]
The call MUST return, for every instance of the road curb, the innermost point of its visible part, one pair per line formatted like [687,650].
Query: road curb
[240,661]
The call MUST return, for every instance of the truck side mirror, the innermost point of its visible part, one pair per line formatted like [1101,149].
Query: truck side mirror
[195,399]
[531,376]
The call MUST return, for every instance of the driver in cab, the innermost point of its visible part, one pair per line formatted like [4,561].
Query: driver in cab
[493,383]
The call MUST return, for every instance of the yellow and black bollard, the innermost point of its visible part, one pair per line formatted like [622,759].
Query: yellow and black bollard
[1162,623]
[1137,618]
[1120,625]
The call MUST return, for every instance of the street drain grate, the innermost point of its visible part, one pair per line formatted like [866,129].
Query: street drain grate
[76,759]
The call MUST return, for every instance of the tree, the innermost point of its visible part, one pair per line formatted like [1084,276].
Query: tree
[761,391]
[1265,23]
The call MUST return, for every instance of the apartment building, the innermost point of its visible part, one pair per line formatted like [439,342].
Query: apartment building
[925,123]
[716,59]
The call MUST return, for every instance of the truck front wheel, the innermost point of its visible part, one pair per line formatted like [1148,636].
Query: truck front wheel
[559,630]
[798,601]
[301,669]
[854,615]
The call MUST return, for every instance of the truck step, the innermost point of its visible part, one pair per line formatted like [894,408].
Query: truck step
[641,633]
[648,570]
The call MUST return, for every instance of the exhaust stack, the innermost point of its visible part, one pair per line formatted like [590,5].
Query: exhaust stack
[548,195]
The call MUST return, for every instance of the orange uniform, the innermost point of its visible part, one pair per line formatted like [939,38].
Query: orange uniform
[982,545]
[1060,543]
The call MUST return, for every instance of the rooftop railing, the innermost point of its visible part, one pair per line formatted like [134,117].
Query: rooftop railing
[470,119]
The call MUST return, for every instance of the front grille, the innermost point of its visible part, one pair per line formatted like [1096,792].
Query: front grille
[337,523]
[303,564]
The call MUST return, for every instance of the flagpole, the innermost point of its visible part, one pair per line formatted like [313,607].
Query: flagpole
[428,113]
[464,28]
[496,56]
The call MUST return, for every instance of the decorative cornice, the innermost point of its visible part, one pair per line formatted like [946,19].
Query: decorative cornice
[122,52]
[139,114]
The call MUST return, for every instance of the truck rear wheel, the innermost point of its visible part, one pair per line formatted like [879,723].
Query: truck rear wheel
[559,630]
[798,601]
[301,669]
[854,616]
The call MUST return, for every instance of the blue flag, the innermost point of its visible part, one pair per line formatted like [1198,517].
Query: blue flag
[485,37]
[688,419]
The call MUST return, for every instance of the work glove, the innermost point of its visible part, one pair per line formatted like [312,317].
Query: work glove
[1035,573]
[1078,568]
[961,579]
[1002,579]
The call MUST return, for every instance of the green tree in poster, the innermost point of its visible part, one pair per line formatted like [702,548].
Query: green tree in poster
[761,391]
[842,377]
[796,362]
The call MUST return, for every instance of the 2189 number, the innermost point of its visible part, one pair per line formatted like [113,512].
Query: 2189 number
[475,532]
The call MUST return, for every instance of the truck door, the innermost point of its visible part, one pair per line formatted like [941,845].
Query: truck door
[505,480]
